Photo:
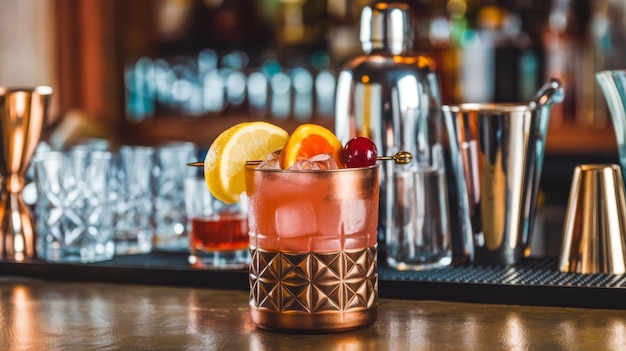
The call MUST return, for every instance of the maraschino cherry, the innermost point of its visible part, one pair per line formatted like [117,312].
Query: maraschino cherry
[359,152]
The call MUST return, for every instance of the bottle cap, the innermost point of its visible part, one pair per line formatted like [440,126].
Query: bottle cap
[386,25]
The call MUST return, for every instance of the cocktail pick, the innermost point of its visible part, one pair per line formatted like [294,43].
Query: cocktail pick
[401,157]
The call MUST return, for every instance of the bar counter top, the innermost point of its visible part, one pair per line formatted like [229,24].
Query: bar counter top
[47,315]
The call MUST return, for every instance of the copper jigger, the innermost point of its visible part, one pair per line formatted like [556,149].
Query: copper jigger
[594,234]
[22,119]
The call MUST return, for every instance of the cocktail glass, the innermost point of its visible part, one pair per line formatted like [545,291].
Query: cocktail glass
[313,241]
[218,232]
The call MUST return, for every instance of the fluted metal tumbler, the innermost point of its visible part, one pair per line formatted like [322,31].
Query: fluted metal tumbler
[22,119]
[594,234]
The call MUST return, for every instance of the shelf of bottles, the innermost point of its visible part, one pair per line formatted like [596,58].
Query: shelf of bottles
[485,51]
[210,84]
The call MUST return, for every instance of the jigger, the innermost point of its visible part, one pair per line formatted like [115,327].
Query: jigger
[22,119]
[594,234]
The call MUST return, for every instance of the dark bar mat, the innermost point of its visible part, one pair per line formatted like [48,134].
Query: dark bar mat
[533,282]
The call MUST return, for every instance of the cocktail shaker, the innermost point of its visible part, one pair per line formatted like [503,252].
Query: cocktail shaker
[391,95]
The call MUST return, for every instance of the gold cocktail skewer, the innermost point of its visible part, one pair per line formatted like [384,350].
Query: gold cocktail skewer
[401,157]
[196,164]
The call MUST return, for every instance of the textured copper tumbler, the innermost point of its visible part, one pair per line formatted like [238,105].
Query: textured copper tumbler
[22,119]
[313,245]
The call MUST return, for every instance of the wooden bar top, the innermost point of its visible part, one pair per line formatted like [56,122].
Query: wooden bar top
[45,315]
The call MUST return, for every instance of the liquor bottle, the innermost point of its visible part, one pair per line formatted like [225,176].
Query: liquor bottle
[563,53]
[301,27]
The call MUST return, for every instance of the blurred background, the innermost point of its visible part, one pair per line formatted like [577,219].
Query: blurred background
[151,71]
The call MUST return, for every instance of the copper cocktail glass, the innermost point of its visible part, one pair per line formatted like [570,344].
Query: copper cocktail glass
[313,248]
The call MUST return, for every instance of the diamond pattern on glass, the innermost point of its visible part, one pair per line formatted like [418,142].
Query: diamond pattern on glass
[313,282]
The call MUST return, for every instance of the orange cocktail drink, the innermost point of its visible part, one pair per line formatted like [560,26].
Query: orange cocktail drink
[312,207]
[313,240]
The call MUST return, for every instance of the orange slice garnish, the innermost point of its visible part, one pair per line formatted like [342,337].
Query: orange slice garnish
[309,140]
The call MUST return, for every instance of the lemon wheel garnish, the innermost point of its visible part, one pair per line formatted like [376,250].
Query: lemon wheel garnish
[224,165]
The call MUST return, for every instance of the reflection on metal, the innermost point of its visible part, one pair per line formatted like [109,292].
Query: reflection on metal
[496,153]
[594,234]
[391,95]
[22,119]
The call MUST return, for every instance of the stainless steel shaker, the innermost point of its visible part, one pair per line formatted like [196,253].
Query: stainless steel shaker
[497,154]
[391,95]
